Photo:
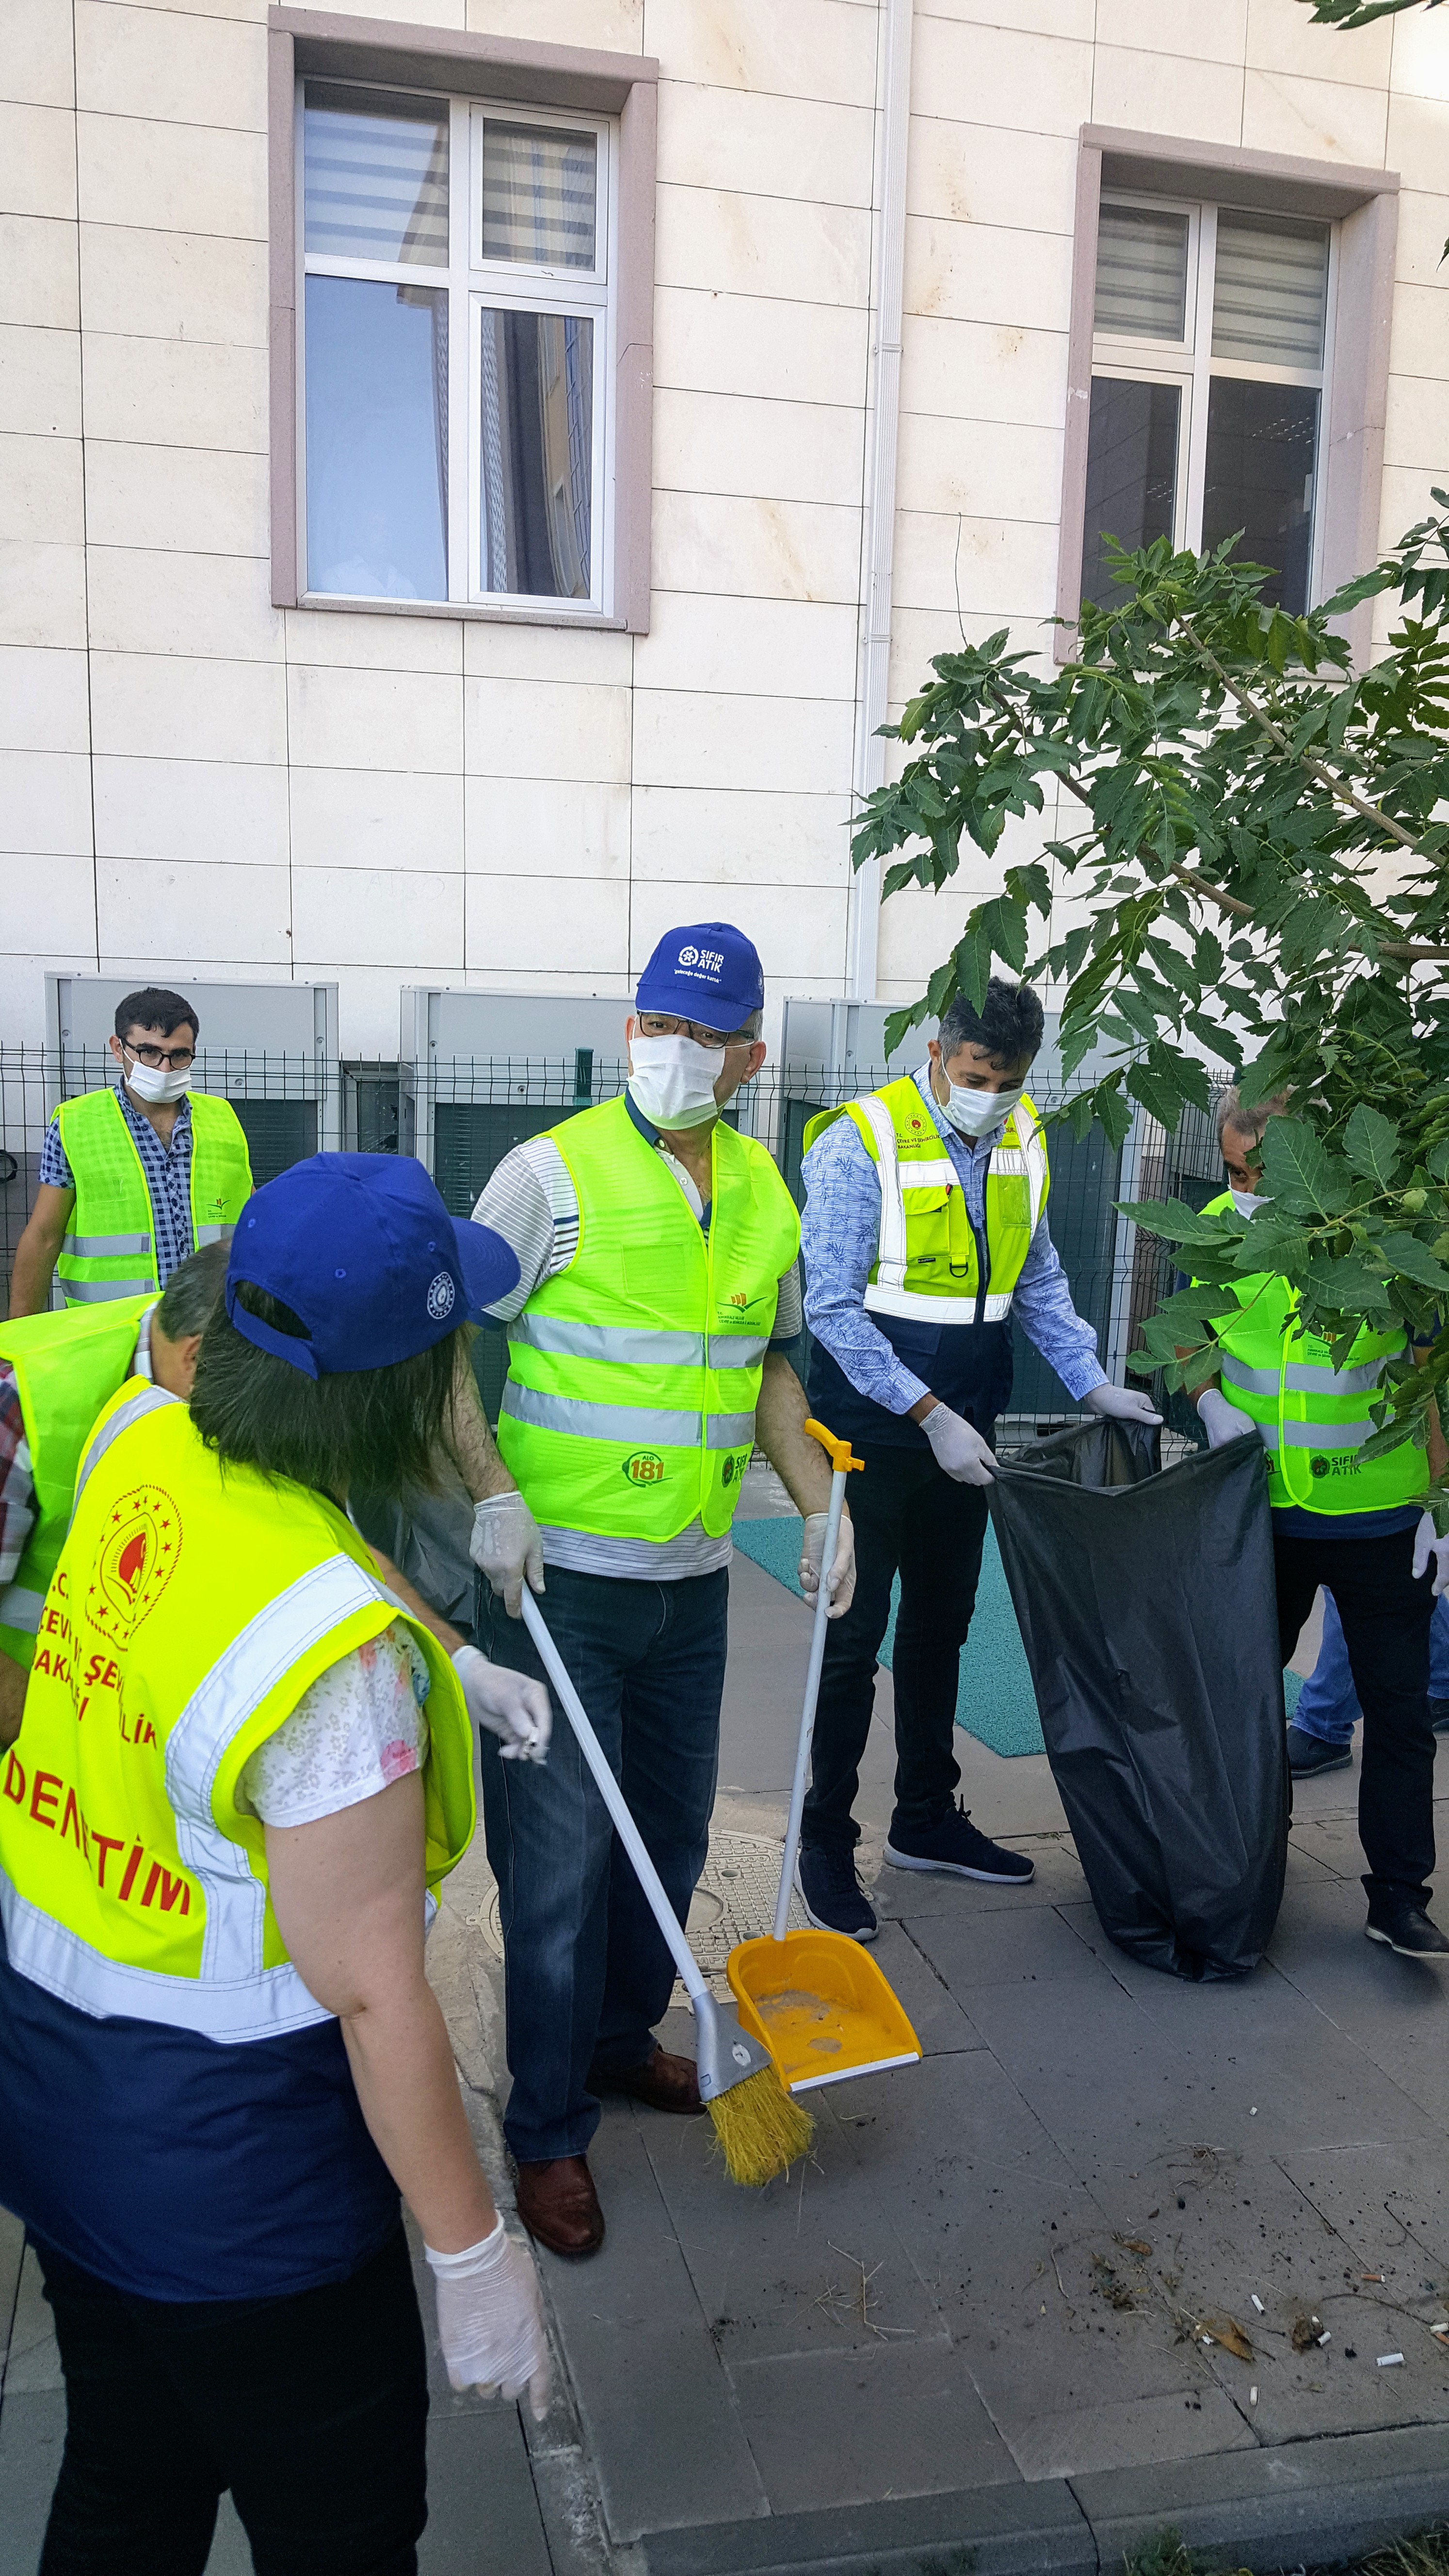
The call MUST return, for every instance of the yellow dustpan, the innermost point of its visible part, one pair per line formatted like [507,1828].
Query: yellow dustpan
[816,2000]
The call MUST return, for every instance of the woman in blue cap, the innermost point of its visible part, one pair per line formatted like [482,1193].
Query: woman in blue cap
[220,2062]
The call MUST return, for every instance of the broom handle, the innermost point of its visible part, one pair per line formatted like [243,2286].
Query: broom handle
[812,1693]
[623,1823]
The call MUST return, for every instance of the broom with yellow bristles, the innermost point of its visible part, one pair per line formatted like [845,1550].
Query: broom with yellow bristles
[759,2127]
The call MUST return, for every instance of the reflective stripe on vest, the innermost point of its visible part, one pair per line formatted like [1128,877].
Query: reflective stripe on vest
[585,1421]
[900,1175]
[110,1183]
[147,1399]
[633,1349]
[101,1247]
[66,1365]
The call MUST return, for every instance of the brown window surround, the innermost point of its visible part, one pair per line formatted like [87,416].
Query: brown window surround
[1364,204]
[384,52]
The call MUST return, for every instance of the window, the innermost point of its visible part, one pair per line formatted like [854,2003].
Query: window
[1210,349]
[455,327]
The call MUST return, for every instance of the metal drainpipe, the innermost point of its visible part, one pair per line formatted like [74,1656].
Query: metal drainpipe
[863,936]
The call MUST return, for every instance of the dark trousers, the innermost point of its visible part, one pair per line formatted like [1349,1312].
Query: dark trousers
[312,2409]
[912,1519]
[586,1972]
[1386,1618]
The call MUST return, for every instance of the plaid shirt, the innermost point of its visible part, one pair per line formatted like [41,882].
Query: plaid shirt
[168,1178]
[17,1485]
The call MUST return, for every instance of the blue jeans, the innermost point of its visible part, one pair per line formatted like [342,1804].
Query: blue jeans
[586,1972]
[1328,1703]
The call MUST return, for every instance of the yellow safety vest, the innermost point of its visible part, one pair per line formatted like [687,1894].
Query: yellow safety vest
[192,1610]
[66,1367]
[927,1262]
[110,1250]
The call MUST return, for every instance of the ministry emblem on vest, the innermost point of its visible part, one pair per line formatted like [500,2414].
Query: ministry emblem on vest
[135,1562]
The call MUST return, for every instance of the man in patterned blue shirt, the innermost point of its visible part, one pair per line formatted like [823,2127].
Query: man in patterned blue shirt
[924,1233]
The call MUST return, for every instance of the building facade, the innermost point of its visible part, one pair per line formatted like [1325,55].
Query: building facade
[474,482]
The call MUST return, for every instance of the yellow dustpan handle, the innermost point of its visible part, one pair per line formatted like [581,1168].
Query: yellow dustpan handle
[843,1463]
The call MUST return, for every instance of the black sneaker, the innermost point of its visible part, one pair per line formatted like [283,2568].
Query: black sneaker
[1407,1929]
[955,1845]
[1439,1716]
[832,1894]
[1310,1754]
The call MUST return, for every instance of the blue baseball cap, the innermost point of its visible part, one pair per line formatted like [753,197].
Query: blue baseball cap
[708,971]
[362,1249]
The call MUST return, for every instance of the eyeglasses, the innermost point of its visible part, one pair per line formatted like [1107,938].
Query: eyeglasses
[175,1058]
[664,1024]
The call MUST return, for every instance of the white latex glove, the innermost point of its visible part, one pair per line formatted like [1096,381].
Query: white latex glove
[490,2324]
[1222,1421]
[511,1705]
[1431,1550]
[507,1544]
[961,1452]
[1121,1403]
[841,1583]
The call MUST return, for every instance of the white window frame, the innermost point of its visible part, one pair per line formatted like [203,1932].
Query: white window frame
[1189,364]
[473,283]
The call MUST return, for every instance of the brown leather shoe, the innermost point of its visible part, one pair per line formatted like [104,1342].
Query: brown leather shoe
[666,2083]
[559,2206]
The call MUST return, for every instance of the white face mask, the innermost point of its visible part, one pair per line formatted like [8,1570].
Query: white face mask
[975,1113]
[156,1083]
[1246,1203]
[672,1080]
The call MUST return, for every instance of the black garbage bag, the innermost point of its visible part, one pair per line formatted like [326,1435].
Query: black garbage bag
[1146,1605]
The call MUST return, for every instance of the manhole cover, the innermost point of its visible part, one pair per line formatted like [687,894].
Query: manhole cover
[734,1901]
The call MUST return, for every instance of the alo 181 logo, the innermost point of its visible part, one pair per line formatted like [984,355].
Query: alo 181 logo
[646,1467]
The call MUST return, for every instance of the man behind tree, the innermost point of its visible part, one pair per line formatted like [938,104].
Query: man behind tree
[134,1179]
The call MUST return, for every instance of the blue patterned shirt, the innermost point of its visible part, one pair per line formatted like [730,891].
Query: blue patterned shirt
[168,1178]
[838,1233]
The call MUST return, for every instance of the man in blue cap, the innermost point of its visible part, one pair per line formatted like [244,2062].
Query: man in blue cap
[657,1296]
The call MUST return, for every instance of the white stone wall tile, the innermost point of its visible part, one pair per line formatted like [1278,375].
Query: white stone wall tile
[44,705]
[39,58]
[919,633]
[547,925]
[737,443]
[1423,231]
[172,178]
[1407,498]
[918,932]
[1324,120]
[40,382]
[754,344]
[979,174]
[199,810]
[794,939]
[814,49]
[176,393]
[22,983]
[730,243]
[166,63]
[181,286]
[1414,429]
[986,273]
[367,1012]
[197,500]
[164,707]
[1218,34]
[1421,55]
[984,371]
[773,147]
[1026,17]
[1003,569]
[415,13]
[728,837]
[543,729]
[498,649]
[145,600]
[38,272]
[618,25]
[37,160]
[1165,94]
[1283,37]
[377,818]
[207,912]
[987,469]
[41,501]
[1418,142]
[1419,341]
[562,827]
[339,719]
[694,738]
[1041,82]
[403,918]
[50,901]
[42,594]
[45,802]
[808,647]
[765,549]
[351,640]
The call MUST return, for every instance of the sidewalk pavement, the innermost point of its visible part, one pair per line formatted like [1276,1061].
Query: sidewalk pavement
[968,2331]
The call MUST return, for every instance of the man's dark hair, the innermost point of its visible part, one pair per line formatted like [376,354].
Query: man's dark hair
[192,1294]
[380,1428]
[154,1008]
[1008,1024]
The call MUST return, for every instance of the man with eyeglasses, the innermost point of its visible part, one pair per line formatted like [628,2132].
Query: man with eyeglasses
[133,1180]
[658,1293]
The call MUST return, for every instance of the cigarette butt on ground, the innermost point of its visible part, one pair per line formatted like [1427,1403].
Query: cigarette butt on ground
[1390,2360]
[1257,2302]
[1252,2397]
[1325,2338]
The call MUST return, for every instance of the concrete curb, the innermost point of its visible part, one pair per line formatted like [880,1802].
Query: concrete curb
[1303,2504]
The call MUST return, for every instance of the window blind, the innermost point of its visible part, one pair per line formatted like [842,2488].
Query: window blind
[1141,272]
[376,176]
[1270,301]
[539,196]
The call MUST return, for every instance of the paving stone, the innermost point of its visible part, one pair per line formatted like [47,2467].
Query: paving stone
[898,2418]
[1001,2530]
[1395,2010]
[32,2437]
[909,1893]
[978,1949]
[33,2360]
[1128,2432]
[482,2510]
[941,2024]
